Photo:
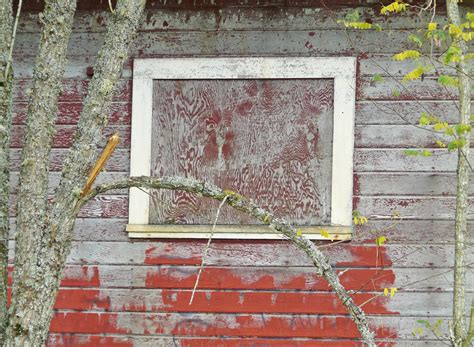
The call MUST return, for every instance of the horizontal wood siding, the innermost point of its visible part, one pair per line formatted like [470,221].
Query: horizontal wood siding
[121,292]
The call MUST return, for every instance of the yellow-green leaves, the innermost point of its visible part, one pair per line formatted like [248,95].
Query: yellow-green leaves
[432,26]
[415,39]
[299,232]
[391,292]
[415,73]
[352,20]
[377,78]
[416,152]
[417,331]
[457,31]
[394,7]
[408,54]
[380,241]
[448,81]
[324,234]
[358,25]
[358,218]
[433,327]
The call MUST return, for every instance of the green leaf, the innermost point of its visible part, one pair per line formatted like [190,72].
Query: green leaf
[424,120]
[396,93]
[380,241]
[324,233]
[408,54]
[425,323]
[453,145]
[353,16]
[426,153]
[448,81]
[462,128]
[377,27]
[358,25]
[377,78]
[415,39]
[415,73]
[453,54]
[411,152]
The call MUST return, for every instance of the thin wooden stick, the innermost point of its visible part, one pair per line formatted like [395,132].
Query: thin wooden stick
[100,163]
[204,256]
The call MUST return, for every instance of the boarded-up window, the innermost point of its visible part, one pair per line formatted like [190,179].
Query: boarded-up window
[270,139]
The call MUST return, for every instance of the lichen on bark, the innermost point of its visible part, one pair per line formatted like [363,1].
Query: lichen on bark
[6,87]
[57,18]
[44,230]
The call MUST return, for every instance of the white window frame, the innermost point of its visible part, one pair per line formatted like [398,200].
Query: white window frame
[341,69]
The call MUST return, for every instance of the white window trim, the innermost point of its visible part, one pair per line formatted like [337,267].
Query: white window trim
[341,69]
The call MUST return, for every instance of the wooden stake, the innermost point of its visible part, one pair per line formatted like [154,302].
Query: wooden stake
[100,163]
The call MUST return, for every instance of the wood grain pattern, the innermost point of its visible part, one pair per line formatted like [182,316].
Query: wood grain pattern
[229,132]
[386,180]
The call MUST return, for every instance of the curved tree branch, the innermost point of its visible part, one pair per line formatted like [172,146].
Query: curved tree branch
[249,207]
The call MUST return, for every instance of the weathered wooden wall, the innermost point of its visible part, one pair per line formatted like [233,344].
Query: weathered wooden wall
[121,292]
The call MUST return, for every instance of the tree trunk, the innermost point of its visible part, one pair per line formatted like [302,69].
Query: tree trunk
[46,243]
[25,316]
[462,202]
[323,268]
[6,86]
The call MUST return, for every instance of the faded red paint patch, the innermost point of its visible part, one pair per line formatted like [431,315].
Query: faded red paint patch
[293,326]
[267,302]
[80,322]
[265,342]
[258,279]
[86,276]
[367,256]
[81,299]
[155,256]
[88,341]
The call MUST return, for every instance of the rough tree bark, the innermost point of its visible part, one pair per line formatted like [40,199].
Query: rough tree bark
[22,327]
[44,232]
[321,263]
[6,86]
[462,202]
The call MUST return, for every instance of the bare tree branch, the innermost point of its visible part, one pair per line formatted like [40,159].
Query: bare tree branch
[241,203]
[120,35]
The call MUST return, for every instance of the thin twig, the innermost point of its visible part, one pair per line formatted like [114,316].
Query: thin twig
[111,7]
[12,43]
[201,267]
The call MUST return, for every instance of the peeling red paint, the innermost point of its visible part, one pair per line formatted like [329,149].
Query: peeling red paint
[263,342]
[88,341]
[257,279]
[294,326]
[94,323]
[84,279]
[153,257]
[81,299]
[370,256]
